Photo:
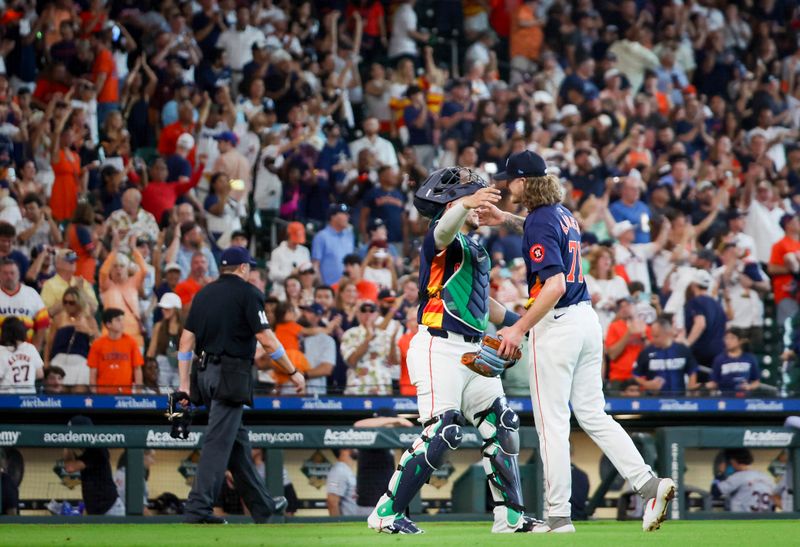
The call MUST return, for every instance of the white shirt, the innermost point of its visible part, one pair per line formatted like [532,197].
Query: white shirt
[401,43]
[763,225]
[634,260]
[237,44]
[747,304]
[609,290]
[283,261]
[382,149]
[18,368]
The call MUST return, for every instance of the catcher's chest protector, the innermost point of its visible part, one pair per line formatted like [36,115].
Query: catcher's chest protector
[466,293]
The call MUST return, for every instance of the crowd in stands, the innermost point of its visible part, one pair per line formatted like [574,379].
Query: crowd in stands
[138,139]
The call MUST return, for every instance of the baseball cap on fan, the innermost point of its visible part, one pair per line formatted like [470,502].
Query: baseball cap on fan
[523,164]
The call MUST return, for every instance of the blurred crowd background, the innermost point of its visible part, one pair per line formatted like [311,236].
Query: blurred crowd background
[138,139]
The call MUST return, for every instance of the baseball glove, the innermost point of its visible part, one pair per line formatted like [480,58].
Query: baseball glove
[486,361]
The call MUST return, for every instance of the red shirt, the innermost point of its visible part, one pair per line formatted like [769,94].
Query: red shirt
[158,197]
[186,289]
[168,140]
[621,368]
[781,284]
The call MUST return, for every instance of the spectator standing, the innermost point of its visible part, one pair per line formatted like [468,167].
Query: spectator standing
[7,236]
[386,202]
[20,362]
[704,320]
[288,256]
[784,267]
[119,289]
[635,257]
[237,41]
[231,162]
[319,349]
[626,337]
[407,388]
[526,38]
[605,286]
[23,302]
[115,361]
[664,365]
[354,273]
[631,208]
[420,122]
[70,180]
[192,241]
[224,210]
[196,280]
[104,75]
[64,278]
[131,219]
[82,240]
[164,342]
[332,244]
[734,369]
[68,340]
[404,36]
[369,353]
[381,148]
[37,228]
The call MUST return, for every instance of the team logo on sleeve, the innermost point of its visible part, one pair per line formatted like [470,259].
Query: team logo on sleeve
[537,253]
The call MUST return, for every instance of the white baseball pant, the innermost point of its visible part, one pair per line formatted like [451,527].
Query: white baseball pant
[442,382]
[566,349]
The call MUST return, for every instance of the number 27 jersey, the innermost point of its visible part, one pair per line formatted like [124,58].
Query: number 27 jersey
[552,245]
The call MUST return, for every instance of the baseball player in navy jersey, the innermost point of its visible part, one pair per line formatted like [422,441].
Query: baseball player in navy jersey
[453,315]
[566,347]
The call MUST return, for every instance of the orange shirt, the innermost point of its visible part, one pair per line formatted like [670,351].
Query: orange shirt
[781,284]
[64,196]
[115,361]
[186,289]
[406,387]
[367,290]
[289,335]
[298,360]
[104,64]
[87,264]
[525,41]
[621,368]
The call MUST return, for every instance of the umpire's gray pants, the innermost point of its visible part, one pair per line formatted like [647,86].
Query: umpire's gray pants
[225,446]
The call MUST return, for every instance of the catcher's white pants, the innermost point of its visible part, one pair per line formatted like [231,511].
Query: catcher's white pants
[566,351]
[443,383]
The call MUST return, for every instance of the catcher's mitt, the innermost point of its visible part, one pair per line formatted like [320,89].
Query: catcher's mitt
[486,361]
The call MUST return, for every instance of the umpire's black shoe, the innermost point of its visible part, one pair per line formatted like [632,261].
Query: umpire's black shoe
[208,519]
[281,503]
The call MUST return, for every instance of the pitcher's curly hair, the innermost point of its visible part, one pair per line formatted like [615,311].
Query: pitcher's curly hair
[539,191]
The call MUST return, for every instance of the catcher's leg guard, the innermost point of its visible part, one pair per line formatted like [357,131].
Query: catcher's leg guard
[499,426]
[441,433]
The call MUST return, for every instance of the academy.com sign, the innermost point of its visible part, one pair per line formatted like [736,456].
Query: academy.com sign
[350,437]
[9,438]
[276,438]
[84,439]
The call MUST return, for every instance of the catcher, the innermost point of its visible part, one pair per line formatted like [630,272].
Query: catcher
[455,372]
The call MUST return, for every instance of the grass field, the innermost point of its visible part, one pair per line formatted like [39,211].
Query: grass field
[440,534]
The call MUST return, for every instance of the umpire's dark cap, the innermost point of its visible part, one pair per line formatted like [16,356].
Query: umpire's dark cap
[523,164]
[233,256]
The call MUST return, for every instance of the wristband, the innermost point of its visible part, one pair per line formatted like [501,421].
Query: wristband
[510,318]
[278,353]
[185,355]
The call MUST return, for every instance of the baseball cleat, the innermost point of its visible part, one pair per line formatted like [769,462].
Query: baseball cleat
[555,525]
[528,524]
[401,525]
[655,510]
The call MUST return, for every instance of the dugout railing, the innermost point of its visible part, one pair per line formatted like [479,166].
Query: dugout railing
[136,439]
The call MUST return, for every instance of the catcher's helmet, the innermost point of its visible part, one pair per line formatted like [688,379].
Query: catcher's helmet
[446,185]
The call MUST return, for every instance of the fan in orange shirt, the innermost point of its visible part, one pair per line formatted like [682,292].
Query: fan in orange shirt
[115,362]
[406,387]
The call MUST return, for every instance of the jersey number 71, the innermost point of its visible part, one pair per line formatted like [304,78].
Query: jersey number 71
[575,253]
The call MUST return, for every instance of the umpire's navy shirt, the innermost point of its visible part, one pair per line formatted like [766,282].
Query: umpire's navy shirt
[225,317]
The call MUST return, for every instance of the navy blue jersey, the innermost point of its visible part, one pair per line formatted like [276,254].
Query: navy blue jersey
[729,373]
[671,364]
[710,344]
[552,245]
[436,267]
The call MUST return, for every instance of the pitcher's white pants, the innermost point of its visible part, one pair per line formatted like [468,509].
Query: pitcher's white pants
[566,349]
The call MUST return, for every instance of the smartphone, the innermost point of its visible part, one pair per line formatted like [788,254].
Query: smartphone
[115,33]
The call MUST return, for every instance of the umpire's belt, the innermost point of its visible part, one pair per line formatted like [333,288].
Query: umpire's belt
[441,333]
[215,359]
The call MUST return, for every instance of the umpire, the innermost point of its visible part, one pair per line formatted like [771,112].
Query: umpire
[226,319]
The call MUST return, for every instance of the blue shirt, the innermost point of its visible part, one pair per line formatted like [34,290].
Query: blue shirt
[389,206]
[710,343]
[552,244]
[672,364]
[638,214]
[461,131]
[184,260]
[418,135]
[330,247]
[730,372]
[330,156]
[510,246]
[177,167]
